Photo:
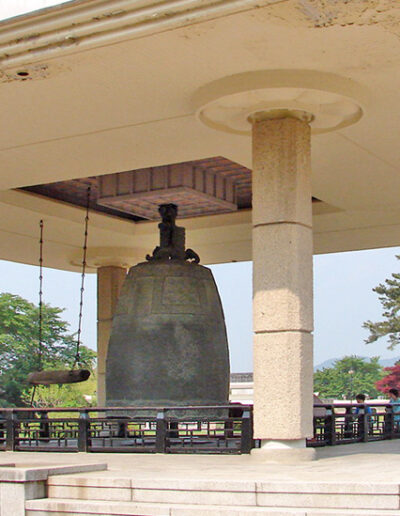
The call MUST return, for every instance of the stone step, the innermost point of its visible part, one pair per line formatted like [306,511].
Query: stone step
[65,507]
[333,495]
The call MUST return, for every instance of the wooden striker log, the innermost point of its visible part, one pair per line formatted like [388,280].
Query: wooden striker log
[58,376]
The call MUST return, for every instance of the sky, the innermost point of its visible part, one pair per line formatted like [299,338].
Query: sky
[343,300]
[9,8]
[343,283]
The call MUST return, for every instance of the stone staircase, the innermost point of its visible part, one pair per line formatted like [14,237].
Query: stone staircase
[108,495]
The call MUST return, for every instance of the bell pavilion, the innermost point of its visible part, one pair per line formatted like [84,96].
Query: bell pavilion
[272,124]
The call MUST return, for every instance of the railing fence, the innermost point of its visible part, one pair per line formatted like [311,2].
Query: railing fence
[340,424]
[218,429]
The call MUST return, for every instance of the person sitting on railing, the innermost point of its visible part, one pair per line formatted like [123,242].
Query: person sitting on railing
[395,402]
[360,398]
[360,411]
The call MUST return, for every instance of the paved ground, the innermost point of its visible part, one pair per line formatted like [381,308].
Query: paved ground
[363,462]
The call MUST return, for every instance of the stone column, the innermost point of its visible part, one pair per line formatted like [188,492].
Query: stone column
[279,108]
[282,286]
[109,284]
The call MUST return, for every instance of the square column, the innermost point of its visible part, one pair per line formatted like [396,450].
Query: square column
[282,285]
[109,283]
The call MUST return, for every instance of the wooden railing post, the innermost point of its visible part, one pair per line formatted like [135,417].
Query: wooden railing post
[10,430]
[161,433]
[365,426]
[389,423]
[83,431]
[349,427]
[44,431]
[392,424]
[331,427]
[246,443]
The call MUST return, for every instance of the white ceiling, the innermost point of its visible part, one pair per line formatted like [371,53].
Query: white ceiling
[128,104]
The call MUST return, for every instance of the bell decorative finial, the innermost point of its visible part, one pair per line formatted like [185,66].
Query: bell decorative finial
[172,238]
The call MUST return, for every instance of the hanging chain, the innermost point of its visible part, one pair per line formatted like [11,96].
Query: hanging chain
[78,343]
[40,296]
[40,329]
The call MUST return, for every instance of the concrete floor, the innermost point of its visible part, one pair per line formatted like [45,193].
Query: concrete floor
[363,462]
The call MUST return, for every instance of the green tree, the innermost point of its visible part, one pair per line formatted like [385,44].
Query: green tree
[349,376]
[389,296]
[19,346]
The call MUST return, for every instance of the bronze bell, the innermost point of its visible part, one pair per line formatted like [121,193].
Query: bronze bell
[168,344]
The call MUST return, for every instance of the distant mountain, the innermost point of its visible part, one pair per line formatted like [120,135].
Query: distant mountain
[326,364]
[385,362]
[388,362]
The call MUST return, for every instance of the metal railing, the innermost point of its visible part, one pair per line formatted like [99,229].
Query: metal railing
[226,429]
[340,424]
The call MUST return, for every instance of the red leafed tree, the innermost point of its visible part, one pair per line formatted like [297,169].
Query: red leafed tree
[391,380]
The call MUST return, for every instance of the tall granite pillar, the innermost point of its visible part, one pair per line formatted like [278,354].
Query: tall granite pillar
[109,283]
[279,108]
[282,285]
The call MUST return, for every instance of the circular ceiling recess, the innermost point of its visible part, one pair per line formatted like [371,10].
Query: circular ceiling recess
[327,101]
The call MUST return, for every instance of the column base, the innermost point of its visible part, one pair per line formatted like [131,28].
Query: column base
[288,452]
